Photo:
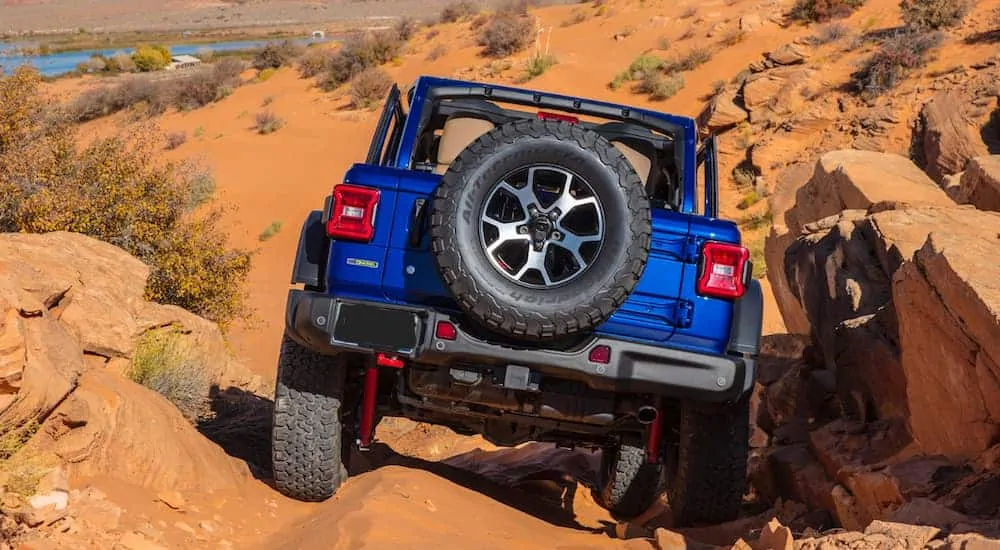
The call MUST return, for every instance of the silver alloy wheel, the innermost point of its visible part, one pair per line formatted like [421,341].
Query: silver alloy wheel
[542,226]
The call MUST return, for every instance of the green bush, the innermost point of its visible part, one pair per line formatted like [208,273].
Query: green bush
[934,14]
[119,190]
[151,58]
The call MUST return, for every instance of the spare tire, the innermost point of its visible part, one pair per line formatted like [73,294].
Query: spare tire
[540,229]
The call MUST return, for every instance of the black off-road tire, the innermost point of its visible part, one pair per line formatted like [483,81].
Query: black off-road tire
[306,442]
[710,468]
[540,314]
[628,484]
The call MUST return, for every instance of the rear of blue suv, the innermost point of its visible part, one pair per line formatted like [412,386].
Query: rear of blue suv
[530,267]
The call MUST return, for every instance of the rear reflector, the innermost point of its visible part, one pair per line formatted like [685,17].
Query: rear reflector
[600,354]
[724,270]
[542,115]
[352,216]
[445,331]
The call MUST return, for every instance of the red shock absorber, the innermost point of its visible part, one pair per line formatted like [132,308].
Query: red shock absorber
[366,428]
[367,425]
[654,433]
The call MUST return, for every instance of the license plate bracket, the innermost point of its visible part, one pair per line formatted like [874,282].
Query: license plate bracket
[378,328]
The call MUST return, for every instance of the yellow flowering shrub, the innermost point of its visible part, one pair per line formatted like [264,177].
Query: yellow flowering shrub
[117,189]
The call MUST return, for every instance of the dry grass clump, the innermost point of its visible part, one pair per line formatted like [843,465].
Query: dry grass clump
[165,363]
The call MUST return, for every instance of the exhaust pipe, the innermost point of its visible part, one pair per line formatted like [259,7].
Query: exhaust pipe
[647,414]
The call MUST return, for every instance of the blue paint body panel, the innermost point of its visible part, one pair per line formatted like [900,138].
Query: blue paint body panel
[663,310]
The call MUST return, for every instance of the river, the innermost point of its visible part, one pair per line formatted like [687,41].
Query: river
[65,62]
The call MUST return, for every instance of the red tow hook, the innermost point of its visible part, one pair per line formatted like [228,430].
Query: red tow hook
[654,430]
[366,430]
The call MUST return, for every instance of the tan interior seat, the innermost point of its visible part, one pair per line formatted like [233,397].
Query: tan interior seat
[640,162]
[458,133]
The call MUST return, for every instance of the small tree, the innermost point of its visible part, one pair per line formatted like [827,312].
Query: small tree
[151,58]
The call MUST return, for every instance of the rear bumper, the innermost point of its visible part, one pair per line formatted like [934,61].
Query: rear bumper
[633,367]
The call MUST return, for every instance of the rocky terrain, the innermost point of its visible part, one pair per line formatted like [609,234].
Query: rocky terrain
[877,218]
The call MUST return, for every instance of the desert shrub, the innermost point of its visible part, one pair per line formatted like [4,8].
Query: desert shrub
[166,364]
[277,54]
[690,61]
[369,87]
[824,10]
[21,469]
[120,62]
[175,140]
[95,103]
[406,27]
[456,11]
[576,17]
[266,74]
[117,189]
[892,61]
[436,52]
[830,32]
[266,122]
[638,69]
[360,53]
[506,34]
[271,230]
[205,54]
[660,86]
[537,65]
[733,37]
[314,62]
[95,64]
[207,84]
[934,14]
[151,58]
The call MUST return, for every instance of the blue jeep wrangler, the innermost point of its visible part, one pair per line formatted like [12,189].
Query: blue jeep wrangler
[530,267]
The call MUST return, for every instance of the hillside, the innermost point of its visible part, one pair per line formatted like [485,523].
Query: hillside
[878,391]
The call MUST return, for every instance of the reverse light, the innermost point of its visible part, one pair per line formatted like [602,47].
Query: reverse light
[542,115]
[600,354]
[724,270]
[445,331]
[352,216]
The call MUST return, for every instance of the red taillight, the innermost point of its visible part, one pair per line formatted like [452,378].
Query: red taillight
[724,270]
[352,216]
[600,354]
[542,115]
[445,331]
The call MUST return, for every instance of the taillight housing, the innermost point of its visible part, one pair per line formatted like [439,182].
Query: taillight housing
[352,213]
[725,270]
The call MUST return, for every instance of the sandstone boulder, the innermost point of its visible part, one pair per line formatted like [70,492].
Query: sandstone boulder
[947,301]
[721,112]
[949,139]
[71,311]
[839,180]
[979,185]
[779,91]
[789,54]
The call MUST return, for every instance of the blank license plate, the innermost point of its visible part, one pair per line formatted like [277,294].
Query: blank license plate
[376,328]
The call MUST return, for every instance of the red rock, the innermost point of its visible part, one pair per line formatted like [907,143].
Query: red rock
[949,138]
[980,183]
